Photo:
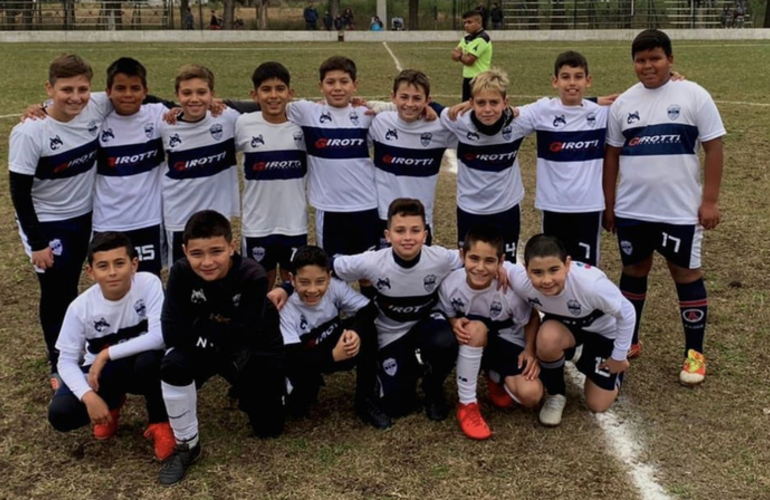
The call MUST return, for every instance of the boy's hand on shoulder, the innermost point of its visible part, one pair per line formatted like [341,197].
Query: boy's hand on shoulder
[278,297]
[33,112]
[708,215]
[606,100]
[96,368]
[351,342]
[458,109]
[429,114]
[502,279]
[614,366]
[98,411]
[217,107]
[172,115]
[42,259]
[531,366]
[677,76]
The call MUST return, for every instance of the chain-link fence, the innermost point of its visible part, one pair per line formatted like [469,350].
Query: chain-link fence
[72,15]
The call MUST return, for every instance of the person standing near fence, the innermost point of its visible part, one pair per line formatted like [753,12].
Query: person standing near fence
[311,17]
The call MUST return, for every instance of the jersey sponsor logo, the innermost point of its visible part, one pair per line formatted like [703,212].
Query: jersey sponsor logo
[93,128]
[174,141]
[492,158]
[258,253]
[567,146]
[216,131]
[673,111]
[140,308]
[257,141]
[100,325]
[626,247]
[457,304]
[591,119]
[391,134]
[325,117]
[354,118]
[56,246]
[200,162]
[507,132]
[198,297]
[149,130]
[383,283]
[655,139]
[425,139]
[633,117]
[693,315]
[55,142]
[660,140]
[574,307]
[559,120]
[275,165]
[68,163]
[325,142]
[390,367]
[406,308]
[495,308]
[107,135]
[429,282]
[472,136]
[130,159]
[317,333]
[407,162]
[336,143]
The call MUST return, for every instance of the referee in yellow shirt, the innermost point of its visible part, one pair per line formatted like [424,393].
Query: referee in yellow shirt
[474,51]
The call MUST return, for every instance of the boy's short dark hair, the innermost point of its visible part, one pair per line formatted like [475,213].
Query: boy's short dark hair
[190,71]
[129,67]
[572,59]
[406,207]
[484,233]
[207,224]
[337,63]
[270,70]
[651,39]
[110,240]
[542,245]
[68,66]
[412,77]
[311,255]
[472,13]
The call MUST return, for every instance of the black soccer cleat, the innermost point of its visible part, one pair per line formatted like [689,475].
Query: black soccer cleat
[370,412]
[175,468]
[436,408]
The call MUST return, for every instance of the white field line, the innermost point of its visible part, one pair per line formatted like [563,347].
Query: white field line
[538,46]
[395,59]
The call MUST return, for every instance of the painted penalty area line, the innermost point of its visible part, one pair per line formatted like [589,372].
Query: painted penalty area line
[395,59]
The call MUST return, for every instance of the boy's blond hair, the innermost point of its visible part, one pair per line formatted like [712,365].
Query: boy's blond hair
[68,66]
[190,71]
[493,80]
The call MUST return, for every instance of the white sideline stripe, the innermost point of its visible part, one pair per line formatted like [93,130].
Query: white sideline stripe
[395,59]
[539,46]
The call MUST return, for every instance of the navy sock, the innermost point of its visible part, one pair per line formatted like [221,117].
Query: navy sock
[635,290]
[552,376]
[693,307]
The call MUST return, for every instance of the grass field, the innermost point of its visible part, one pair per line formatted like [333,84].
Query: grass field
[710,442]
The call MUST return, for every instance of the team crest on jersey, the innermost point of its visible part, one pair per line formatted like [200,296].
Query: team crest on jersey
[626,247]
[430,282]
[383,283]
[472,136]
[236,300]
[55,142]
[174,140]
[140,308]
[673,111]
[302,322]
[507,133]
[633,117]
[534,302]
[198,297]
[559,120]
[56,246]
[216,131]
[101,325]
[298,138]
[257,141]
[574,307]
[390,366]
[93,127]
[495,308]
[591,119]
[149,128]
[391,134]
[354,118]
[107,135]
[457,304]
[426,138]
[258,253]
[325,117]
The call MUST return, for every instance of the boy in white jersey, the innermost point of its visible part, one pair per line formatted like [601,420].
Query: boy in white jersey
[200,154]
[489,188]
[111,344]
[407,148]
[318,341]
[570,151]
[274,167]
[581,307]
[654,133]
[492,323]
[127,195]
[51,181]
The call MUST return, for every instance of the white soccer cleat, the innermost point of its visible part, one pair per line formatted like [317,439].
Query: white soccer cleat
[550,413]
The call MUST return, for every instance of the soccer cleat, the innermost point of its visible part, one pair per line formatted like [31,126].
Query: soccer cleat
[550,413]
[106,431]
[694,368]
[497,394]
[635,351]
[162,438]
[175,468]
[370,412]
[436,408]
[471,421]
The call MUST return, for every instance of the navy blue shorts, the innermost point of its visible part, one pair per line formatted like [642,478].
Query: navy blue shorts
[347,233]
[579,232]
[502,357]
[382,225]
[147,243]
[276,249]
[508,223]
[680,244]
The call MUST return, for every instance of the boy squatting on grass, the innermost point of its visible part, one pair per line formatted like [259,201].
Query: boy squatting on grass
[114,327]
[654,132]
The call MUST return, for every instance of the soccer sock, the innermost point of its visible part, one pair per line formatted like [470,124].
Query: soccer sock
[181,405]
[693,306]
[552,375]
[635,290]
[510,392]
[468,366]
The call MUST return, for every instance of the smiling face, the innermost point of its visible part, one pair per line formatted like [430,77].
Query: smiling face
[310,283]
[481,265]
[210,258]
[127,94]
[488,106]
[69,95]
[410,101]
[338,88]
[112,270]
[273,95]
[406,234]
[571,84]
[653,67]
[194,96]
[548,274]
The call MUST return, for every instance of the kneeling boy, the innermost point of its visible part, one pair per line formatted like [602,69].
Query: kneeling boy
[581,306]
[115,324]
[215,322]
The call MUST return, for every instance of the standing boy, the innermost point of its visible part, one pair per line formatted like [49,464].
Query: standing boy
[114,328]
[215,322]
[654,133]
[274,167]
[51,180]
[474,51]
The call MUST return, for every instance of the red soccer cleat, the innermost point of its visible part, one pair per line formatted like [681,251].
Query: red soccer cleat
[497,394]
[471,421]
[162,438]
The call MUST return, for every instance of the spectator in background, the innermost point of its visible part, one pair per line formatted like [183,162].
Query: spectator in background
[339,24]
[496,13]
[482,9]
[216,22]
[347,19]
[376,24]
[328,21]
[189,20]
[311,17]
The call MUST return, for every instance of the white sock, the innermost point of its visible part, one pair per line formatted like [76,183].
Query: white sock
[181,406]
[468,366]
[510,393]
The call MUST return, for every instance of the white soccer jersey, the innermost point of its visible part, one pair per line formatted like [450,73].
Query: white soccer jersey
[304,323]
[128,171]
[61,157]
[407,159]
[404,295]
[503,312]
[660,131]
[340,172]
[570,154]
[274,167]
[129,326]
[488,175]
[589,301]
[201,169]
